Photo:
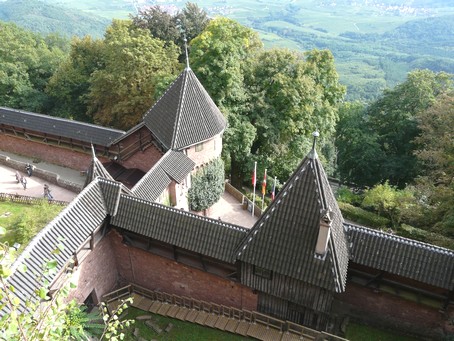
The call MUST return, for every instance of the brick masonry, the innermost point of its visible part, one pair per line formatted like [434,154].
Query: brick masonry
[158,273]
[40,151]
[211,150]
[96,273]
[392,312]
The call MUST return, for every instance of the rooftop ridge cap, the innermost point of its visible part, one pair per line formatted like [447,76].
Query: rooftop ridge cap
[181,99]
[187,213]
[62,119]
[35,240]
[423,245]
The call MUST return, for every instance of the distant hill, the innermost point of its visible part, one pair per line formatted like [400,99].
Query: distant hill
[40,17]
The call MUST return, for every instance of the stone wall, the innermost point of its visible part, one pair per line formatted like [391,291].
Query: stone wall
[158,273]
[211,149]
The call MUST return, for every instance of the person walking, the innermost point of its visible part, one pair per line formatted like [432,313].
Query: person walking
[47,193]
[29,169]
[23,180]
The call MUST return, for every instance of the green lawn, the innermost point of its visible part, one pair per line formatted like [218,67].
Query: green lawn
[23,221]
[181,330]
[358,332]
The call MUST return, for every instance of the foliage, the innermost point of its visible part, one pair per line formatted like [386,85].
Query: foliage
[191,21]
[436,153]
[425,236]
[134,66]
[207,186]
[23,221]
[27,61]
[115,326]
[363,217]
[79,324]
[389,201]
[346,195]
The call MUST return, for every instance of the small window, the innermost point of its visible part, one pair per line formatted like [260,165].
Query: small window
[199,147]
[262,272]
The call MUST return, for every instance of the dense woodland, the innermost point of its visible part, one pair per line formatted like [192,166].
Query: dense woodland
[397,151]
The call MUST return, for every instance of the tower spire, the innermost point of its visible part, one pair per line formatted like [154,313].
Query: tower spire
[313,153]
[186,52]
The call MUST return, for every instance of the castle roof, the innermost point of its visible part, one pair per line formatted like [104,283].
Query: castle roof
[402,256]
[57,126]
[172,166]
[185,115]
[284,238]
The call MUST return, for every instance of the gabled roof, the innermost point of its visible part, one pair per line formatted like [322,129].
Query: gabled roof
[185,115]
[195,233]
[56,126]
[402,256]
[284,238]
[172,166]
[70,228]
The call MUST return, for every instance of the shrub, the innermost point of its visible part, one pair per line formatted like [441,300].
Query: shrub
[363,217]
[346,195]
[425,236]
[207,186]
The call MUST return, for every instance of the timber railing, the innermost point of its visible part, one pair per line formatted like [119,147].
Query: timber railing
[248,323]
[24,199]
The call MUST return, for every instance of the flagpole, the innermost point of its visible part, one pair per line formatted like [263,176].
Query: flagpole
[263,189]
[273,194]
[254,179]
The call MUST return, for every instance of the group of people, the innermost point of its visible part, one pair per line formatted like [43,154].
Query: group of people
[23,180]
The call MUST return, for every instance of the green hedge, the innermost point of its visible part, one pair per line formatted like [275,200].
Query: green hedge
[425,236]
[363,217]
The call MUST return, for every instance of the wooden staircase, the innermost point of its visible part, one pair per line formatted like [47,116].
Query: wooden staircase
[242,322]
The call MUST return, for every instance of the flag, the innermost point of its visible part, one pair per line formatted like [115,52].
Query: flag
[273,193]
[254,175]
[264,184]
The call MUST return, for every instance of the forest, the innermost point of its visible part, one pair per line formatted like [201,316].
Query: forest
[374,43]
[395,153]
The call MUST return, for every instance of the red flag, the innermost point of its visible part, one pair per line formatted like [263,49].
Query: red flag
[264,184]
[273,193]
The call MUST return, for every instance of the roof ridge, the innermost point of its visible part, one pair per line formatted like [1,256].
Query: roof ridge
[176,127]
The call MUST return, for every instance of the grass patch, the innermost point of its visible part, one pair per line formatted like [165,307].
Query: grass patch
[181,330]
[23,221]
[359,332]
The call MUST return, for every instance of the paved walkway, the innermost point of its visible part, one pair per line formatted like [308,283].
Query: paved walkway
[228,209]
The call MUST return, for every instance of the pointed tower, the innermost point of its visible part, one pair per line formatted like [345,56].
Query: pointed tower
[296,255]
[185,115]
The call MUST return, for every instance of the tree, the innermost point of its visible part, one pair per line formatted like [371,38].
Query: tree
[393,118]
[26,63]
[135,66]
[436,154]
[207,186]
[69,85]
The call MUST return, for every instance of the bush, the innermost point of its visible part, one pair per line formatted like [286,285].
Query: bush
[346,195]
[425,236]
[362,217]
[207,186]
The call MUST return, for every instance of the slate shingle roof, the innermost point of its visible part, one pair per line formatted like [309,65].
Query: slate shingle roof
[203,235]
[70,228]
[185,115]
[401,256]
[172,166]
[56,126]
[283,239]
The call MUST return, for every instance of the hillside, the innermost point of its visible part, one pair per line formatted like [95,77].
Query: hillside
[44,18]
[375,43]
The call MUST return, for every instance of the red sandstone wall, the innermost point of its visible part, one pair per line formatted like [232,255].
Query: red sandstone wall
[143,160]
[53,154]
[211,150]
[98,272]
[386,310]
[158,273]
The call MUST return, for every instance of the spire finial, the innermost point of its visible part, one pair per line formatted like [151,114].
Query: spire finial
[313,153]
[186,52]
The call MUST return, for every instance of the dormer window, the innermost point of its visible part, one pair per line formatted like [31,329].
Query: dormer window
[324,233]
